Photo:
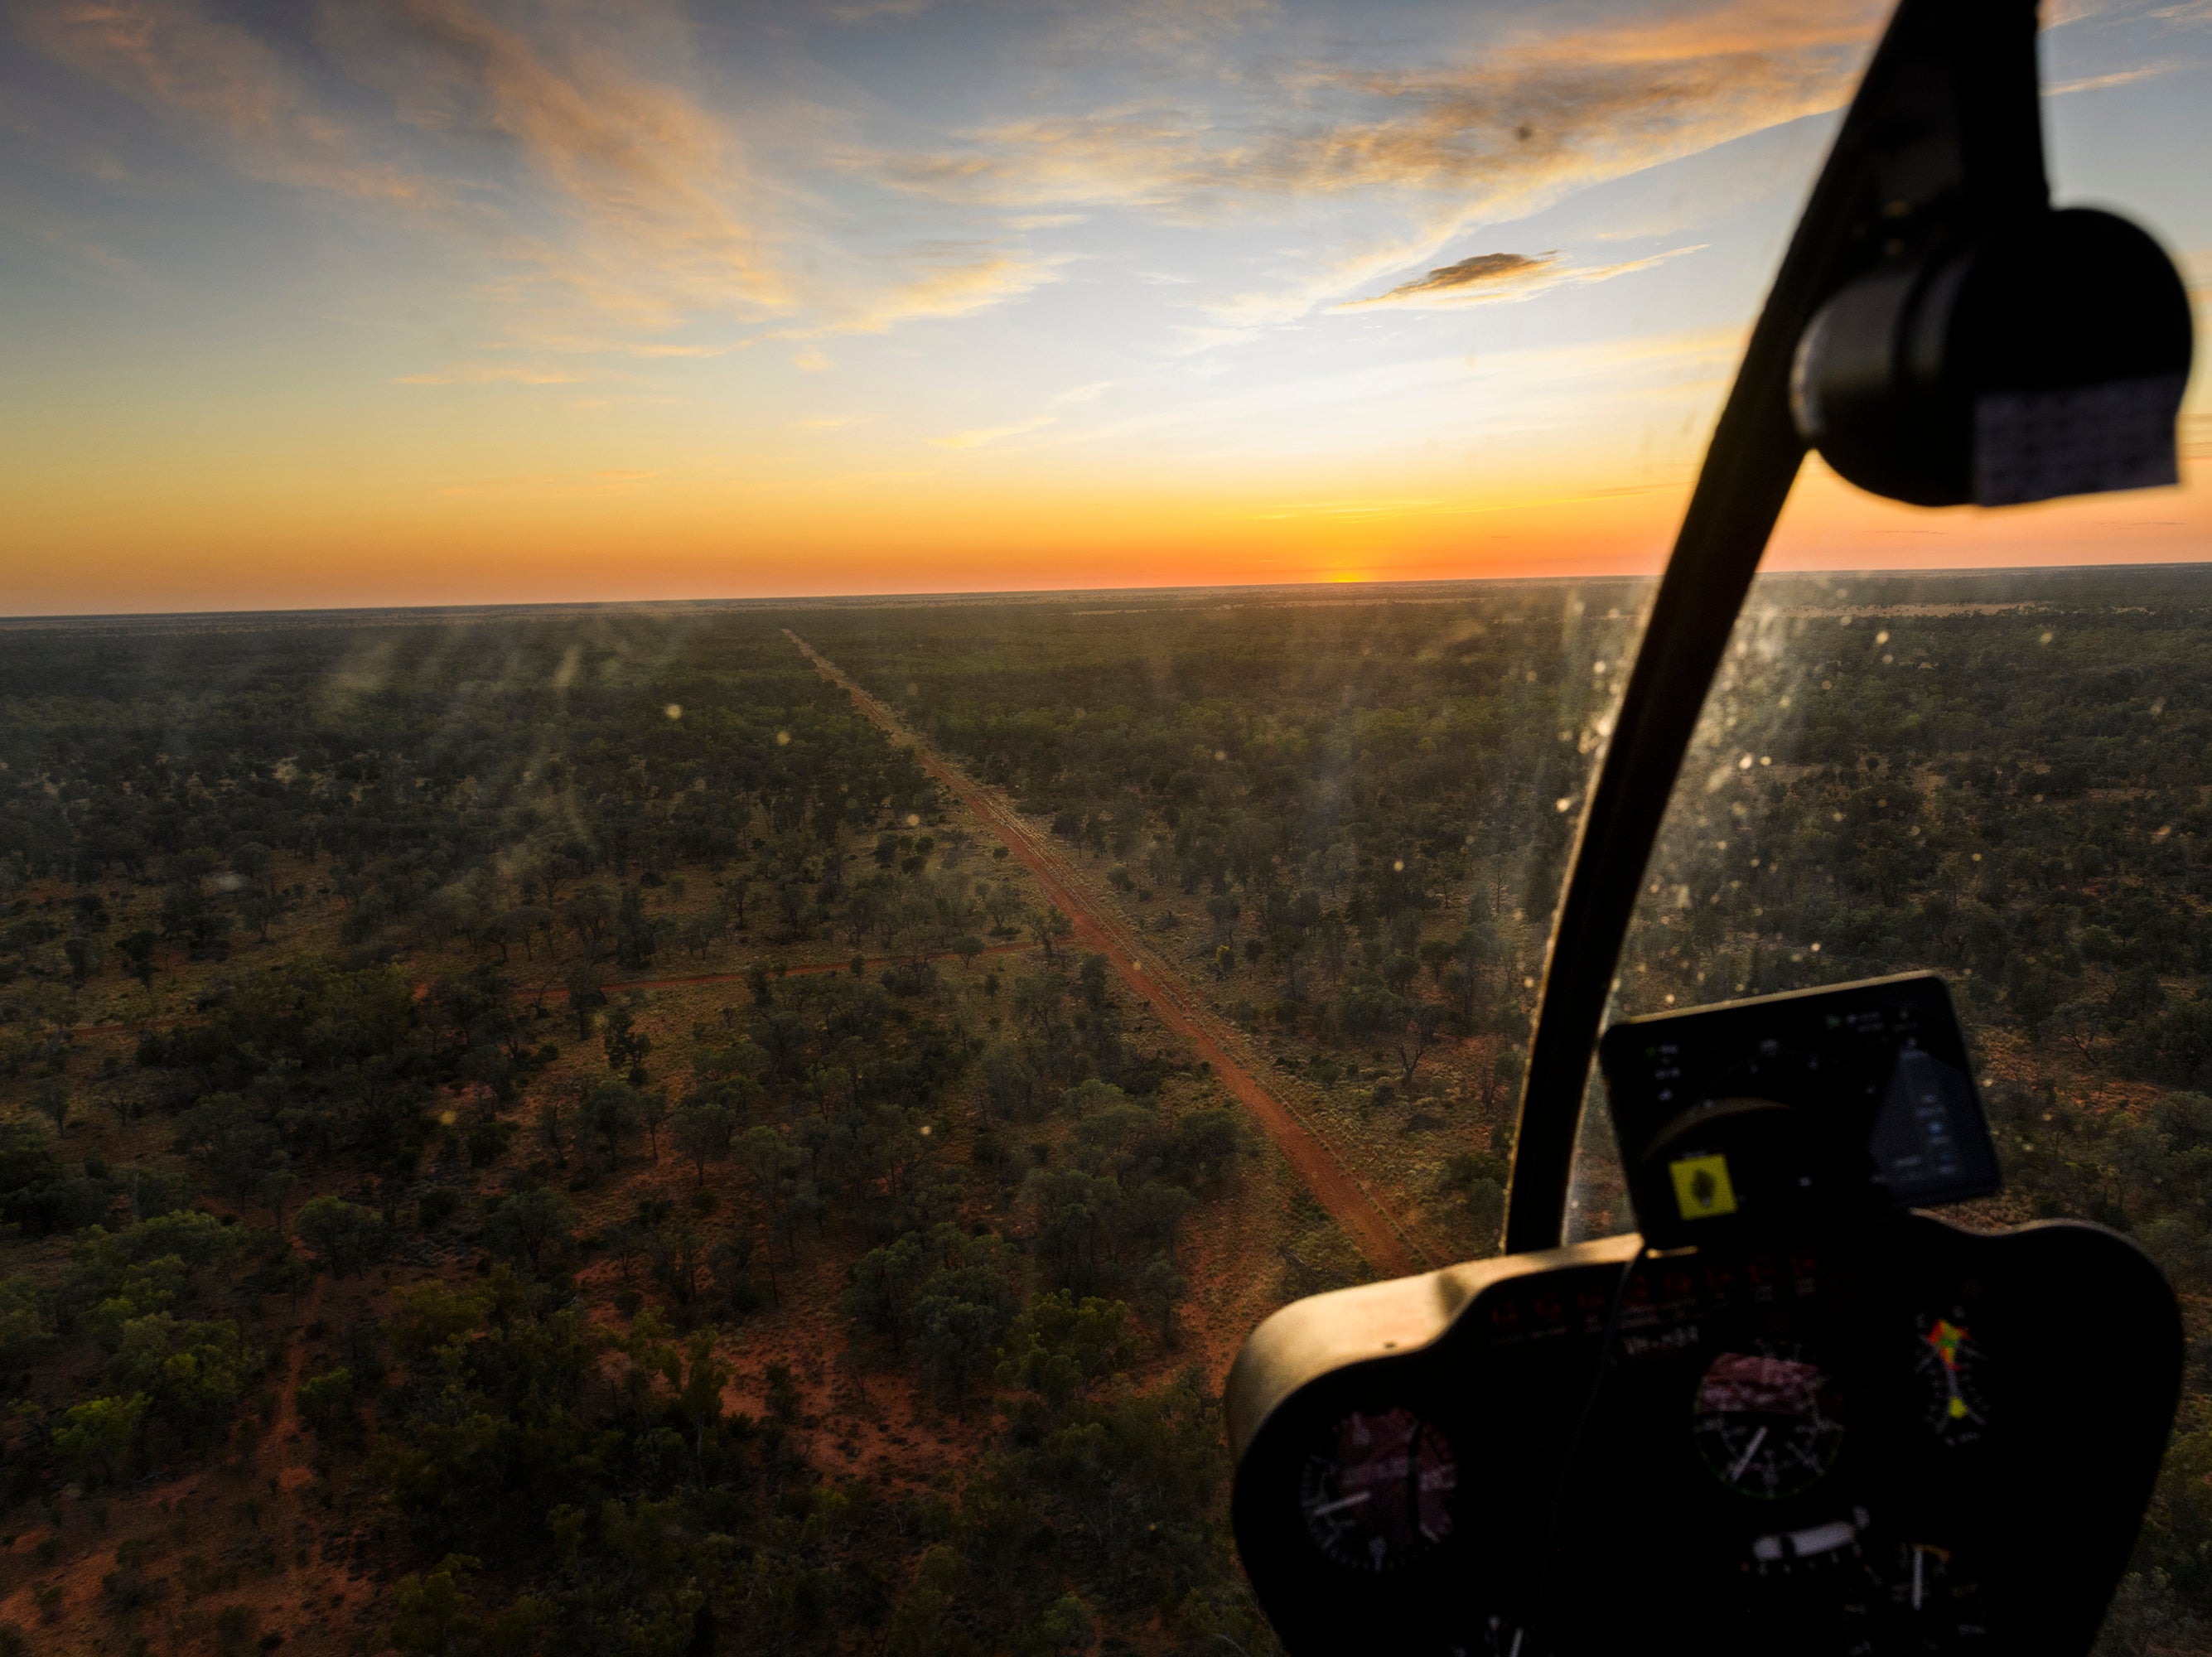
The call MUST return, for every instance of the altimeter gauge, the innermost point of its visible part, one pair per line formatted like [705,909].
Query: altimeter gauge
[1766,1422]
[1376,1491]
[1949,1365]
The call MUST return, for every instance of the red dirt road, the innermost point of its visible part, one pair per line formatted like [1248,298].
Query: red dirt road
[1388,1248]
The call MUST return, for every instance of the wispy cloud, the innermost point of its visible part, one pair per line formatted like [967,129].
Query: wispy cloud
[946,280]
[1492,277]
[2117,78]
[1531,115]
[606,200]
[611,204]
[665,216]
[1514,119]
[208,72]
[976,439]
[609,195]
[1484,272]
[62,233]
[1618,373]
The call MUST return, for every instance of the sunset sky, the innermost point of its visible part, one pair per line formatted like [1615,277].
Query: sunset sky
[437,301]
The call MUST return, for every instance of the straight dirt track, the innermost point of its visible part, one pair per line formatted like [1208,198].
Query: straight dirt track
[1386,1248]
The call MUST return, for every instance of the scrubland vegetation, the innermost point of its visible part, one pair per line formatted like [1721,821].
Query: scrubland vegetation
[546,1135]
[546,1132]
[1348,818]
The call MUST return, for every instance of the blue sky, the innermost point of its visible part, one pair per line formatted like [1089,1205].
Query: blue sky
[411,300]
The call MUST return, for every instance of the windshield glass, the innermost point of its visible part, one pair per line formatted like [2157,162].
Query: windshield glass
[1981,775]
[754,761]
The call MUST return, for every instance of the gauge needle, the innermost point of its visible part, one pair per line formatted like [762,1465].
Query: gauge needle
[1340,1503]
[1750,1451]
[1959,1408]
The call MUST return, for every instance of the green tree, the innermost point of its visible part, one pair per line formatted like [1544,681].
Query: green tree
[626,1045]
[432,1613]
[194,1373]
[345,1237]
[530,1227]
[1416,1034]
[610,1110]
[327,1402]
[25,1326]
[584,998]
[95,1437]
[1060,1345]
[701,1129]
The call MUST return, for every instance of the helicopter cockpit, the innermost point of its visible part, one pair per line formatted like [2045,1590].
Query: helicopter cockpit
[1797,1410]
[1794,1414]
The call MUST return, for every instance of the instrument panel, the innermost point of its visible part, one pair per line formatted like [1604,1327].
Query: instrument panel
[1798,1415]
[1895,1437]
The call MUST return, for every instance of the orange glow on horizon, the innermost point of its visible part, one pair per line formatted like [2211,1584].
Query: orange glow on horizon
[898,539]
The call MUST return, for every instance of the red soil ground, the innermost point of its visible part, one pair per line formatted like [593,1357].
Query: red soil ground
[1386,1246]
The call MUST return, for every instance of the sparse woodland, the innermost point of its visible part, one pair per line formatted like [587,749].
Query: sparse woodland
[549,1137]
[544,1131]
[1349,819]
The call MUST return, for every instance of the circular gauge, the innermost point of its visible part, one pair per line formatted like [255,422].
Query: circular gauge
[1377,1489]
[1949,1365]
[1918,1599]
[1766,1422]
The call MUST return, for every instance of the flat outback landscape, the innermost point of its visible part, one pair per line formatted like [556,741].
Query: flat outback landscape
[761,1127]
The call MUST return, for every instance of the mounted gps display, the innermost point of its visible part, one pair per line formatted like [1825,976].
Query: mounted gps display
[1792,1107]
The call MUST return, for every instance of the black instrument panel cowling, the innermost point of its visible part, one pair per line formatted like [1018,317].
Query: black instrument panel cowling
[1896,1435]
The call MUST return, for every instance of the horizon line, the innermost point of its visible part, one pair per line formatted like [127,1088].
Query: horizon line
[23,621]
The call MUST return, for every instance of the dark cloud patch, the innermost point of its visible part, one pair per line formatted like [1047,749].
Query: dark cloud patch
[1481,271]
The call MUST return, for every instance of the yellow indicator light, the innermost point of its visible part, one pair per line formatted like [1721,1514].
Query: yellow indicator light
[1701,1190]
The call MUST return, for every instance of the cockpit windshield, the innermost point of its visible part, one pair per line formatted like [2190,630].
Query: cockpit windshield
[754,762]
